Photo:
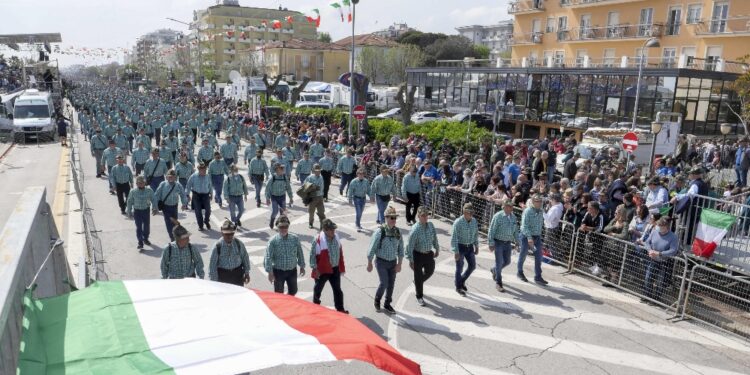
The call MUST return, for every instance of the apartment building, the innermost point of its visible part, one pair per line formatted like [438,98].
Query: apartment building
[612,33]
[305,58]
[495,37]
[229,33]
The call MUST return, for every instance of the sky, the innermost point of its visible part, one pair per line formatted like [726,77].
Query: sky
[117,23]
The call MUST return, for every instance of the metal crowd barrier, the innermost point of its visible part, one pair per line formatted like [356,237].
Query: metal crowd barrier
[718,299]
[559,243]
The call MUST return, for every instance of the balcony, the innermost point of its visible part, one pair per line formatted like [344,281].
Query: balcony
[525,6]
[732,26]
[592,3]
[525,39]
[611,33]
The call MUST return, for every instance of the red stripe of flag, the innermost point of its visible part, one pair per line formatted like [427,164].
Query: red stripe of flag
[702,248]
[344,336]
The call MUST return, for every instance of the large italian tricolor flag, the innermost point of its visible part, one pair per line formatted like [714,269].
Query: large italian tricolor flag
[190,327]
[712,228]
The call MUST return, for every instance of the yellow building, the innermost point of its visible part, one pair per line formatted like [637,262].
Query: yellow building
[228,34]
[305,58]
[703,34]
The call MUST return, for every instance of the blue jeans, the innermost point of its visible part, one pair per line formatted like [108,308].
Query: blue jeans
[656,279]
[202,207]
[465,252]
[236,207]
[155,181]
[169,212]
[303,177]
[278,204]
[537,255]
[741,175]
[217,180]
[387,276]
[346,178]
[502,258]
[258,184]
[183,182]
[382,205]
[359,207]
[229,161]
[142,225]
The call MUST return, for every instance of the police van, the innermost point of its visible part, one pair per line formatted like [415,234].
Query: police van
[33,113]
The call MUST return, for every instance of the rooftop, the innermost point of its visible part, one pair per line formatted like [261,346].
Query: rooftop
[305,44]
[370,40]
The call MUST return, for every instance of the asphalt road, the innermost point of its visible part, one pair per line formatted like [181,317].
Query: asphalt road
[572,326]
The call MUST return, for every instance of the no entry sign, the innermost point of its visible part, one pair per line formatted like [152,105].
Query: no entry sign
[359,112]
[630,142]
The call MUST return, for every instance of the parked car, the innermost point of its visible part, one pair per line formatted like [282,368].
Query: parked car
[425,116]
[559,118]
[480,119]
[583,122]
[320,105]
[394,113]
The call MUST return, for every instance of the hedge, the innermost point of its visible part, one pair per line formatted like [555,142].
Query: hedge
[434,131]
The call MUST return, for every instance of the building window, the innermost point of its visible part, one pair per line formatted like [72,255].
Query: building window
[673,20]
[694,13]
[668,57]
[645,23]
[550,25]
[559,58]
[609,57]
[580,56]
[719,17]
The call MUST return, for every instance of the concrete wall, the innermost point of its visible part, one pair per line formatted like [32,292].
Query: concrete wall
[25,242]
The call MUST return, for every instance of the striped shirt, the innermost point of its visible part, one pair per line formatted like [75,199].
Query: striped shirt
[383,185]
[166,154]
[284,253]
[228,150]
[316,150]
[258,166]
[502,228]
[139,199]
[260,140]
[318,181]
[390,248]
[234,185]
[109,156]
[162,193]
[359,187]
[155,168]
[422,239]
[218,167]
[121,142]
[121,174]
[531,222]
[179,263]
[280,141]
[464,233]
[205,153]
[326,164]
[140,156]
[184,170]
[250,151]
[278,185]
[146,141]
[287,163]
[334,252]
[228,256]
[304,166]
[199,184]
[346,165]
[411,184]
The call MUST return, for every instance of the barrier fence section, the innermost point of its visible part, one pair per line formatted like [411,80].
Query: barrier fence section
[718,299]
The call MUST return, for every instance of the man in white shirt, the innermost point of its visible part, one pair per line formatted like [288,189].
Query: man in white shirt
[657,196]
[552,222]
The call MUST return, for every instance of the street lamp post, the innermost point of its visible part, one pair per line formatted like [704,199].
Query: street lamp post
[351,72]
[655,129]
[650,43]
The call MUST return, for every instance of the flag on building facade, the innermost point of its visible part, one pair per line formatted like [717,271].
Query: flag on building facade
[275,24]
[315,20]
[190,326]
[341,10]
[290,20]
[348,4]
[712,228]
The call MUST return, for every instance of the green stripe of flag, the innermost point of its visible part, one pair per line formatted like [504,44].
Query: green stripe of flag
[336,5]
[717,219]
[90,331]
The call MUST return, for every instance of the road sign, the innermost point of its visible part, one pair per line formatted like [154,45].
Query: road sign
[630,142]
[359,112]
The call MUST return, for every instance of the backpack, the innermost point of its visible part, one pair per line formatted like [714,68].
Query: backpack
[190,248]
[382,236]
[217,248]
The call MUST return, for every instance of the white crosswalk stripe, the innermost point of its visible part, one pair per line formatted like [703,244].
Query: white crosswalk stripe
[560,346]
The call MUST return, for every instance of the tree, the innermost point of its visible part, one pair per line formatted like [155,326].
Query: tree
[324,37]
[454,47]
[742,87]
[420,39]
[371,62]
[406,101]
[398,59]
[270,88]
[481,52]
[297,90]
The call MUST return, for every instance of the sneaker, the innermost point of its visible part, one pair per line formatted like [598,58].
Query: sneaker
[147,242]
[421,301]
[239,224]
[461,292]
[311,226]
[343,311]
[200,229]
[140,245]
[522,277]
[122,213]
[494,275]
[499,287]
[208,225]
[464,288]
[541,281]
[377,305]
[389,309]
[258,204]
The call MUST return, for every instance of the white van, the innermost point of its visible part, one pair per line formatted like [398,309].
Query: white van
[33,111]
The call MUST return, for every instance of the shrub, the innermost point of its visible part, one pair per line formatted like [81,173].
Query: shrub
[434,131]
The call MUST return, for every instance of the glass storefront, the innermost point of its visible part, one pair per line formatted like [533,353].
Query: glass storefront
[580,97]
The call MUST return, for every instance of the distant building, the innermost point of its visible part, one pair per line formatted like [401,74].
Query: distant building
[304,58]
[394,31]
[229,33]
[495,37]
[150,49]
[367,40]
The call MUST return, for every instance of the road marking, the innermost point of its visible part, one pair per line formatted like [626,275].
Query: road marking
[553,287]
[560,346]
[443,366]
[604,320]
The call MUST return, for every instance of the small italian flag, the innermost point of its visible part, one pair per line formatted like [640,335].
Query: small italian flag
[348,4]
[712,228]
[316,19]
[341,11]
[189,326]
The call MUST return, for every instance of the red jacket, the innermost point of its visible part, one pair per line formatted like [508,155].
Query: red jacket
[323,262]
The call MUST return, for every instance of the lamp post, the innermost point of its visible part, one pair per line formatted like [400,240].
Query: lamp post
[351,73]
[655,129]
[650,43]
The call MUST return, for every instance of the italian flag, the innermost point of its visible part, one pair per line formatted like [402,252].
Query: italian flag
[189,326]
[712,228]
[341,11]
[315,20]
[348,4]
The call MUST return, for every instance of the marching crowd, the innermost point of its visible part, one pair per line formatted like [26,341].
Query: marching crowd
[145,145]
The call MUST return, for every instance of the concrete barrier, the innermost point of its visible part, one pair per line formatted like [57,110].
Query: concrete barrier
[28,239]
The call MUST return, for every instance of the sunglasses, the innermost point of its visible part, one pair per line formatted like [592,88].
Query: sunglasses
[391,218]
